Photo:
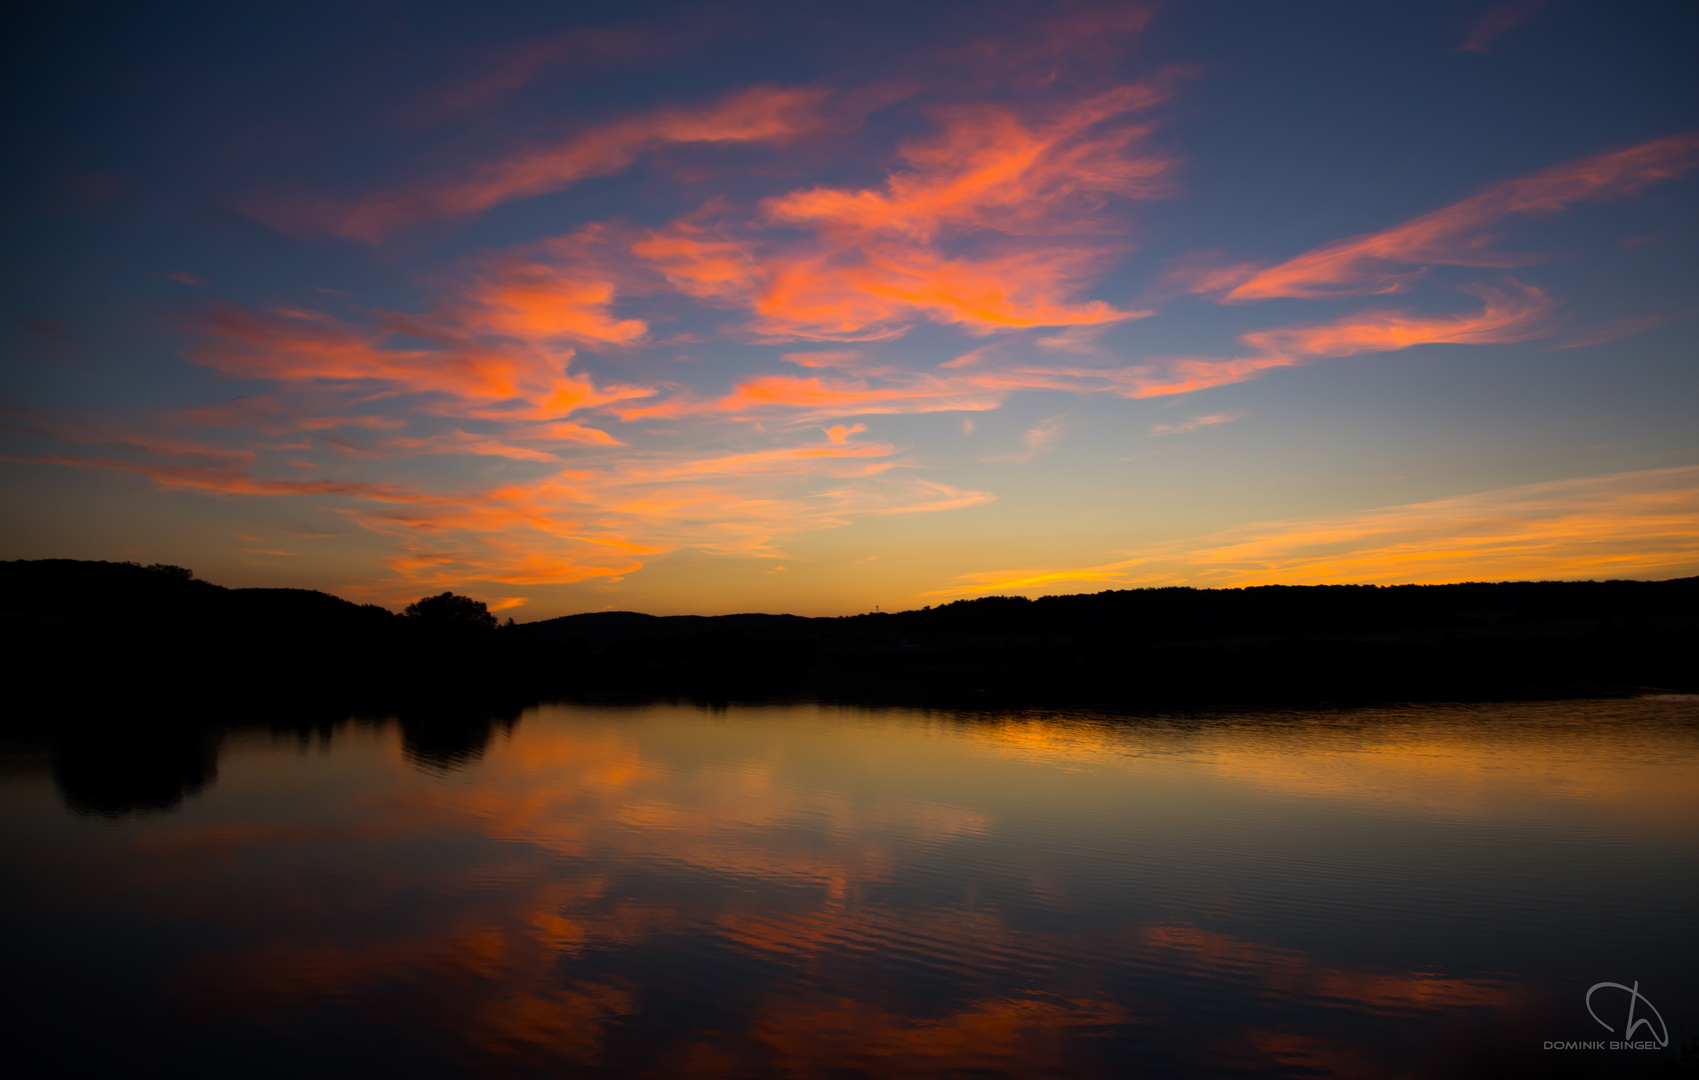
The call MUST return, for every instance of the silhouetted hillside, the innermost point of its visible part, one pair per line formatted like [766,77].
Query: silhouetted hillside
[1172,646]
[126,634]
[96,631]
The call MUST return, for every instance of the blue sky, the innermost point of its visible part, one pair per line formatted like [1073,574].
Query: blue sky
[695,308]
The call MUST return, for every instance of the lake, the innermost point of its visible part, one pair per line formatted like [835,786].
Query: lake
[670,890]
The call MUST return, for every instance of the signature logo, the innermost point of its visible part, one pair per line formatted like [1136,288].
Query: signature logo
[1661,1035]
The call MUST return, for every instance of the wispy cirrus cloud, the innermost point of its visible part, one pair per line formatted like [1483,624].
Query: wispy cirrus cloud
[1456,235]
[994,223]
[752,115]
[1516,313]
[488,78]
[1496,20]
[230,480]
[1392,260]
[1194,423]
[1034,441]
[1611,330]
[542,519]
[471,376]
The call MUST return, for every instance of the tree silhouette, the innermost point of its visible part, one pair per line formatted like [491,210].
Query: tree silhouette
[448,610]
[181,573]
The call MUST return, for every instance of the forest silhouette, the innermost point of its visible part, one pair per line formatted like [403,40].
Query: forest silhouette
[120,632]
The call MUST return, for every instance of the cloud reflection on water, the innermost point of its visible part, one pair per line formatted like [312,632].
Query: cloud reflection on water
[800,891]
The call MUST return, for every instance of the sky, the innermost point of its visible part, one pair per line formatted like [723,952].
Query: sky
[700,308]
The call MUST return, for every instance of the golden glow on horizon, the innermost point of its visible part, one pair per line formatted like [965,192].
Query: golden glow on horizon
[1635,525]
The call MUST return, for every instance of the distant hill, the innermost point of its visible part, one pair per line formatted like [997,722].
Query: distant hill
[1175,647]
[1179,613]
[78,632]
[117,632]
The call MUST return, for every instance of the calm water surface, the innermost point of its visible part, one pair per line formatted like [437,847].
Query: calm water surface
[808,891]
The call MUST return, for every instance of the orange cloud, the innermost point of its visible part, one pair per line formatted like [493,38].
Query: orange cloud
[819,396]
[1635,525]
[1504,317]
[1455,235]
[839,435]
[229,481]
[837,448]
[877,296]
[866,388]
[461,442]
[700,262]
[994,223]
[540,532]
[598,519]
[822,359]
[292,347]
[987,169]
[539,303]
[1204,272]
[756,114]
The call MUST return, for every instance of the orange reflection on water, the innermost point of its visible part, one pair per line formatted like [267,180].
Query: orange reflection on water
[1289,973]
[1015,1035]
[805,891]
[1593,758]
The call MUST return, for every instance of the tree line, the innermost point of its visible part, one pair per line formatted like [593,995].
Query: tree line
[122,632]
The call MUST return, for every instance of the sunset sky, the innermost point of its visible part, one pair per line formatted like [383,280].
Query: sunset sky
[699,308]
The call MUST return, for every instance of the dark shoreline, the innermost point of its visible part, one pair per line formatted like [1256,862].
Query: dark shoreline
[128,640]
